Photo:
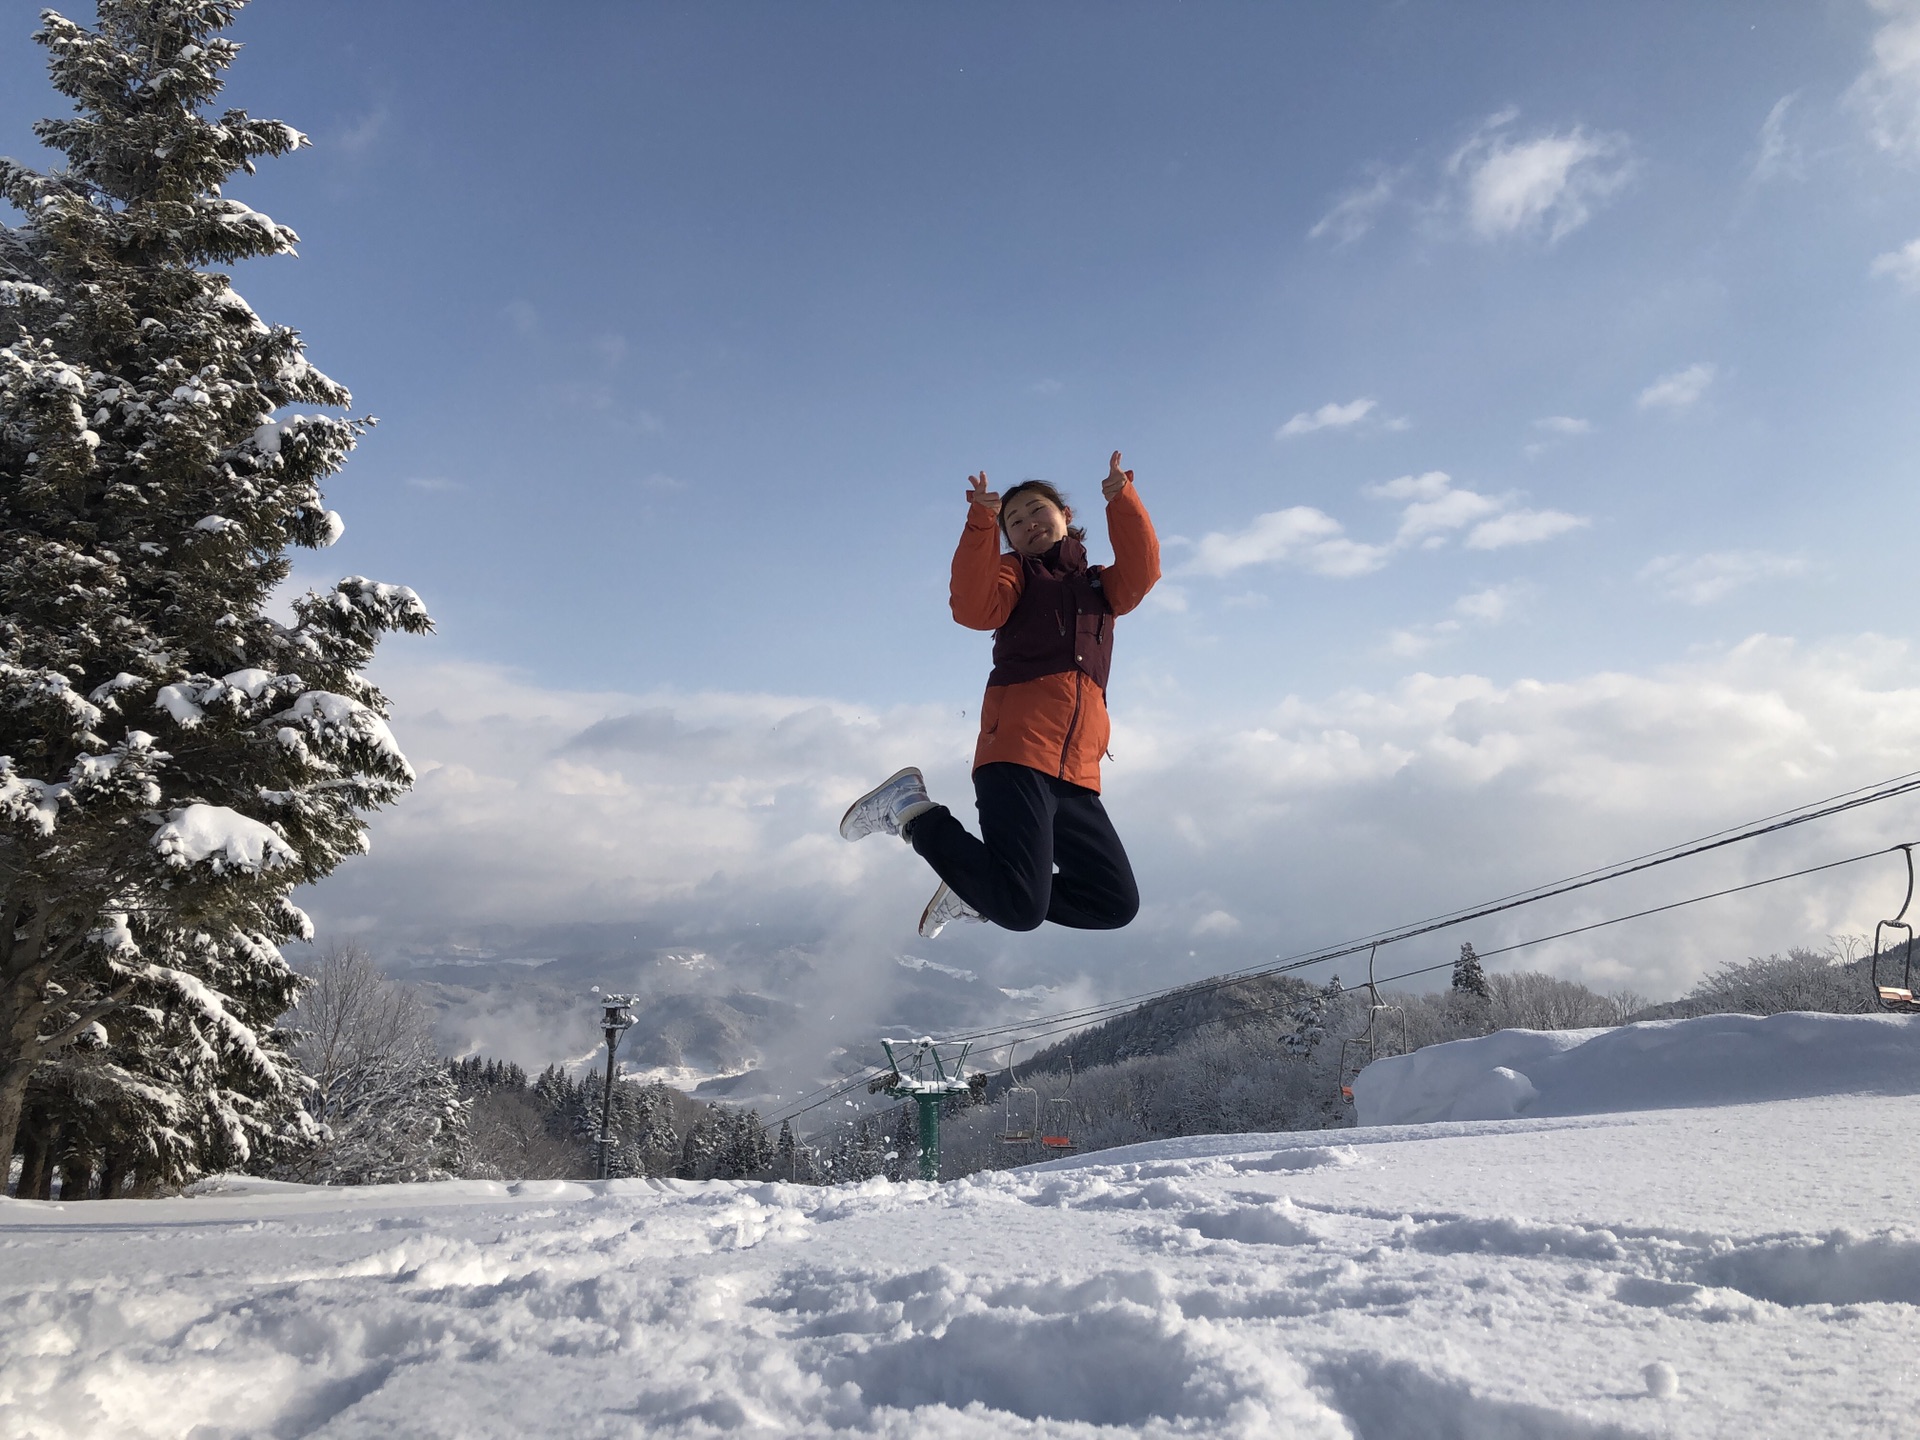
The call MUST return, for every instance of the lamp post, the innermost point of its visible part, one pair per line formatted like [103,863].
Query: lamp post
[615,1020]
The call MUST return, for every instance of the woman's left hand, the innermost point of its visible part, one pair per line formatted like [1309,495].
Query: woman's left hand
[1117,479]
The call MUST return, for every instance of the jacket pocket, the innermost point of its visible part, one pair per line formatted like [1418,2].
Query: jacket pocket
[990,709]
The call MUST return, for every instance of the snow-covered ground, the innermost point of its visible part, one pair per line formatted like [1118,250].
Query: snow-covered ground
[1732,1269]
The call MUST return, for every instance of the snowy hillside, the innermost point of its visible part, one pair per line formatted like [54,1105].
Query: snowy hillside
[1703,1270]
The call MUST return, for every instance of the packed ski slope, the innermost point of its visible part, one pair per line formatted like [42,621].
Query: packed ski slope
[1722,1269]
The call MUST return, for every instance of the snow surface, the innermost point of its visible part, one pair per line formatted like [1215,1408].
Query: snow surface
[1714,1269]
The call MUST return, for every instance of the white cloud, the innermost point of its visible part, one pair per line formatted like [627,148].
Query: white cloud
[437,483]
[1489,606]
[1679,390]
[1434,485]
[1887,93]
[1216,922]
[1702,579]
[1549,184]
[1902,266]
[1330,416]
[1299,535]
[1433,509]
[1354,213]
[1563,425]
[1481,607]
[1448,511]
[1522,527]
[662,483]
[1436,508]
[1045,387]
[1777,157]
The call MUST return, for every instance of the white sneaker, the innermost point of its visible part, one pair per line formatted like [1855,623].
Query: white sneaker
[944,908]
[888,806]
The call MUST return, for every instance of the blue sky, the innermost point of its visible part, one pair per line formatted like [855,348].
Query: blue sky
[1553,343]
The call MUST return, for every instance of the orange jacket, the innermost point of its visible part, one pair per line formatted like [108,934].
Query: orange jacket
[1058,723]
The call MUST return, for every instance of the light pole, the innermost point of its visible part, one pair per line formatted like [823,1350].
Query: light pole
[615,1021]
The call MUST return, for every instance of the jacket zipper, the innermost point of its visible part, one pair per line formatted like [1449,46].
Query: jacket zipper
[1066,745]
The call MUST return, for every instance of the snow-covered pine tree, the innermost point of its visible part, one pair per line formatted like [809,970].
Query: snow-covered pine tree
[1468,977]
[175,760]
[1470,998]
[786,1155]
[705,1146]
[655,1144]
[1310,1020]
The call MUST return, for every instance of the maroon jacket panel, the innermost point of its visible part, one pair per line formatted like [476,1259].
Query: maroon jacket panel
[1062,621]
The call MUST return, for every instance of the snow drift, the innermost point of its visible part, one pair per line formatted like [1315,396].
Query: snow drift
[1659,1065]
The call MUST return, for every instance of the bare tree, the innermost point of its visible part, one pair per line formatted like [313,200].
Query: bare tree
[388,1106]
[1531,1001]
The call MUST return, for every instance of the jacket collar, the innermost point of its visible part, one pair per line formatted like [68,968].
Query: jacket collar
[1065,557]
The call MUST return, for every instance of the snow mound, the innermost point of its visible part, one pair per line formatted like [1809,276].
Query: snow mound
[1658,1065]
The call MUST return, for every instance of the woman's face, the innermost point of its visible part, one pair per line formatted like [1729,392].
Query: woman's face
[1034,524]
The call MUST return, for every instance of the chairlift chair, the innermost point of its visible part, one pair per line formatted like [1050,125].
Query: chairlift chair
[1898,998]
[1359,1051]
[1059,1132]
[1019,1108]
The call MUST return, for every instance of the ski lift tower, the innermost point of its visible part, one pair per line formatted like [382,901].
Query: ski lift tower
[917,1071]
[616,1018]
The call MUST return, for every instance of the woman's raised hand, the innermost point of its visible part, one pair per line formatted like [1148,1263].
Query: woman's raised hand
[1117,479]
[987,500]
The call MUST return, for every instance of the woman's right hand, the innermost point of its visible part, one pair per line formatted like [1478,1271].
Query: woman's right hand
[987,500]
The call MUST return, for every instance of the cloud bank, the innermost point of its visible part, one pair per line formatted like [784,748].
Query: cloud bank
[691,816]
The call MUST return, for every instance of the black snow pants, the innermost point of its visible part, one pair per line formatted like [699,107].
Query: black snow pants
[1031,822]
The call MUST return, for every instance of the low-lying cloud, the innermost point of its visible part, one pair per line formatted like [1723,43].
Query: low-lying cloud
[691,816]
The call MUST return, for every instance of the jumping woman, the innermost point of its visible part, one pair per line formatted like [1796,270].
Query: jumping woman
[1043,724]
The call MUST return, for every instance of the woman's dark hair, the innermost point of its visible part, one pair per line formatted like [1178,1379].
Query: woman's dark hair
[1047,491]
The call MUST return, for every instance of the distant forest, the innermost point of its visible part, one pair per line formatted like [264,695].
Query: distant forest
[1255,1055]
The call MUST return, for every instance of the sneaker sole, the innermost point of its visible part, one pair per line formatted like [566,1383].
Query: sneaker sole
[897,775]
[926,915]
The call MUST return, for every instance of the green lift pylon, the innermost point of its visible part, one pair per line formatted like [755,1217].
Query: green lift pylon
[917,1071]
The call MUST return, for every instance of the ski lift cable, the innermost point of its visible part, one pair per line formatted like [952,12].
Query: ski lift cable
[1538,939]
[1557,935]
[1767,825]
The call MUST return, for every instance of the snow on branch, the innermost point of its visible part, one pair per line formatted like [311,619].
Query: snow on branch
[222,839]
